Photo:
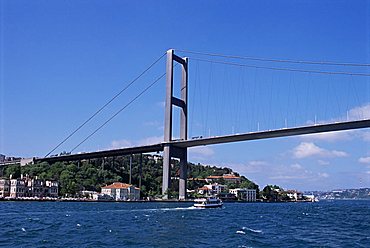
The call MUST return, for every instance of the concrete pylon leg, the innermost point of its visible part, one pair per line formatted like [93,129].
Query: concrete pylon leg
[171,101]
[166,171]
[183,176]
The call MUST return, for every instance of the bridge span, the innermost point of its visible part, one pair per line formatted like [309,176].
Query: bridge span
[349,125]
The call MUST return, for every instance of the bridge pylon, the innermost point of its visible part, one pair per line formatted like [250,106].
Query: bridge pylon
[171,150]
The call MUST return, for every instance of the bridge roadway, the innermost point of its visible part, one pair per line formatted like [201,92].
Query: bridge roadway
[321,128]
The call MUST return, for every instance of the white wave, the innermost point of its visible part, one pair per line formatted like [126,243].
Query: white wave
[252,230]
[162,209]
[36,219]
[240,232]
[23,229]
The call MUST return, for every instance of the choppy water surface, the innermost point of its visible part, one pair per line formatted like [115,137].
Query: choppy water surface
[63,224]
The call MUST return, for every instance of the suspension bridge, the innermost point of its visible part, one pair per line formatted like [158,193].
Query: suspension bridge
[178,147]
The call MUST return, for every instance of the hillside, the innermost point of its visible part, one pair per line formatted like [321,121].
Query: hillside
[93,174]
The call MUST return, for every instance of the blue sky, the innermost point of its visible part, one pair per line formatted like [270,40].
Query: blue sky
[62,60]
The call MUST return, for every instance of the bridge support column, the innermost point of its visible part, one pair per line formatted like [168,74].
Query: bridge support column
[166,181]
[183,176]
[170,150]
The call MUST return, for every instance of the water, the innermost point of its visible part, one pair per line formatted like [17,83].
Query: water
[64,224]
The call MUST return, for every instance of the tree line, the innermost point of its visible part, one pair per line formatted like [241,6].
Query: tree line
[73,177]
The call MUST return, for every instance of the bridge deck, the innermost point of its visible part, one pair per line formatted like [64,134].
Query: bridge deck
[275,133]
[103,154]
[214,140]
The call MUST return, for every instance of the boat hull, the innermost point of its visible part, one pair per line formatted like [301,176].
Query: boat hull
[208,206]
[210,202]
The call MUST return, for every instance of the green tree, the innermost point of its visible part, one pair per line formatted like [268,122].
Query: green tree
[13,170]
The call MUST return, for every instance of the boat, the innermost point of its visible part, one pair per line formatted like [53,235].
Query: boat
[210,202]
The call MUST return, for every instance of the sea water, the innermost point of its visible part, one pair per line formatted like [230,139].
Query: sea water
[94,224]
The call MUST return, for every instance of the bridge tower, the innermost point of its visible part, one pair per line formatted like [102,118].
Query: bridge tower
[171,150]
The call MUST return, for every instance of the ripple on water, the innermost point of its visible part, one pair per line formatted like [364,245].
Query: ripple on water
[180,225]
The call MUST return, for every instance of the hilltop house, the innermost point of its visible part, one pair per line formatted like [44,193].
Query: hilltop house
[229,178]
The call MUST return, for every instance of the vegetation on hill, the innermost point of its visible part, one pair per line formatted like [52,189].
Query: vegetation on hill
[93,174]
[271,193]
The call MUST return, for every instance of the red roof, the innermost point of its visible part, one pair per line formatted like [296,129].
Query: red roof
[117,185]
[196,179]
[214,177]
[203,188]
[224,176]
[231,177]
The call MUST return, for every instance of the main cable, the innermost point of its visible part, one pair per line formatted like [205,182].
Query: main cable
[106,104]
[119,111]
[276,60]
[283,68]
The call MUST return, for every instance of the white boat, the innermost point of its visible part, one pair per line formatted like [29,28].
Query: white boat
[210,202]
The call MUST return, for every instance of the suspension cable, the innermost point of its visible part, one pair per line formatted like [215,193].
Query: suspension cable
[283,68]
[119,111]
[276,60]
[106,104]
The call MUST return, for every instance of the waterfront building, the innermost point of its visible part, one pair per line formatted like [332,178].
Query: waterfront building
[28,187]
[249,195]
[35,187]
[4,188]
[216,188]
[212,189]
[122,191]
[17,188]
[52,188]
[294,195]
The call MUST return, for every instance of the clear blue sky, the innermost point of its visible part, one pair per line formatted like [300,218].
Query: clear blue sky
[62,60]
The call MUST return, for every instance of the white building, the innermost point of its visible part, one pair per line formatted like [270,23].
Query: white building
[212,189]
[244,194]
[27,187]
[4,188]
[122,191]
[294,195]
[17,188]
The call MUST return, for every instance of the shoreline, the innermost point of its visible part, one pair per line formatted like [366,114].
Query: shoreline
[139,201]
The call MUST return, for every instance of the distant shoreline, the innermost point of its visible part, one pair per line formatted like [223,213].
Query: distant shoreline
[158,201]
